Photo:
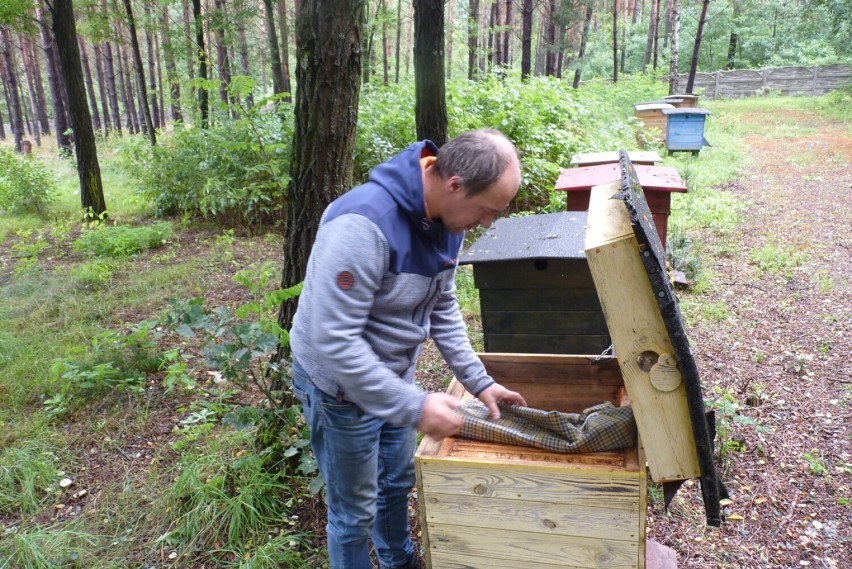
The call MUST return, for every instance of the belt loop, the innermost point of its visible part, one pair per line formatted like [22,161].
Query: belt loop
[339,396]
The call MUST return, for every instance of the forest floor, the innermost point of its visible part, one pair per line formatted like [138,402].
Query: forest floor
[775,360]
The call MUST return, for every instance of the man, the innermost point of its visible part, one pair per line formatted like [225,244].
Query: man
[380,280]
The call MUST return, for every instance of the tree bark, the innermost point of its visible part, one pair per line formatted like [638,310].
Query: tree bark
[90,87]
[550,40]
[385,45]
[16,118]
[31,91]
[473,39]
[652,23]
[507,32]
[102,90]
[151,105]
[614,41]
[140,74]
[112,92]
[60,124]
[43,117]
[328,73]
[127,90]
[284,28]
[693,67]
[88,169]
[203,102]
[430,108]
[159,59]
[244,57]
[526,38]
[171,67]
[582,53]
[274,54]
[398,39]
[222,59]
[675,48]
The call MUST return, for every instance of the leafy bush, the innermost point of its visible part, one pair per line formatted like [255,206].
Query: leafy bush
[25,185]
[123,241]
[234,172]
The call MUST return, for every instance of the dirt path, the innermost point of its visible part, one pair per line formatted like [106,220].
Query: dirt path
[782,359]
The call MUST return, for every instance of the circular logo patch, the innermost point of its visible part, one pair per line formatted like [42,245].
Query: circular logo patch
[345,280]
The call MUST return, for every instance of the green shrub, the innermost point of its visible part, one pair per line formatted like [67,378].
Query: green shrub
[123,241]
[92,275]
[234,172]
[25,185]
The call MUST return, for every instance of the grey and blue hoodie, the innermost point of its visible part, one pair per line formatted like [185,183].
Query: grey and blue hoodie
[380,281]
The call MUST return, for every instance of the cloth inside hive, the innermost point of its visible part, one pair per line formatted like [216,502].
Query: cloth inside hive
[599,428]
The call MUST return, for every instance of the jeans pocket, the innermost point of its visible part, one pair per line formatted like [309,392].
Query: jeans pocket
[340,414]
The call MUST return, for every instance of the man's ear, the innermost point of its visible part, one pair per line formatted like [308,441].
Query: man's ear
[454,184]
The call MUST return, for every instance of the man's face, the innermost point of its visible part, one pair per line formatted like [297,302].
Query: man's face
[466,212]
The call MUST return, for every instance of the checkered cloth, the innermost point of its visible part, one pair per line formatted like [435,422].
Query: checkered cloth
[600,428]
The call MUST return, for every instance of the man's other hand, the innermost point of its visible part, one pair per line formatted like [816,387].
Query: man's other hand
[439,418]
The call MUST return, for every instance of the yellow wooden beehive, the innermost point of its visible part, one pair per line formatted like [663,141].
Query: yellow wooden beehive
[493,506]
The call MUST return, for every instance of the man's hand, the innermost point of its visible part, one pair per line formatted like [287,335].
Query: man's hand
[439,418]
[494,393]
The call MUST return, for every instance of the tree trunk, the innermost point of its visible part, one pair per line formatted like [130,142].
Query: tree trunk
[668,28]
[151,104]
[430,108]
[43,117]
[284,27]
[189,43]
[140,74]
[398,38]
[102,89]
[507,32]
[274,54]
[385,45]
[675,48]
[203,102]
[31,90]
[614,41]
[693,67]
[526,38]
[88,169]
[657,34]
[550,40]
[473,38]
[2,124]
[171,67]
[652,24]
[112,92]
[16,118]
[159,60]
[244,58]
[60,124]
[497,34]
[222,59]
[127,90]
[90,88]
[328,73]
[582,53]
[732,50]
[489,46]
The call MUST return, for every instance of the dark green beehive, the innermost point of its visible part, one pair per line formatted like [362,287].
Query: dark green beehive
[536,292]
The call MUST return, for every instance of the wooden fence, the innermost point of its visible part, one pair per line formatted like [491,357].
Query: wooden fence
[737,83]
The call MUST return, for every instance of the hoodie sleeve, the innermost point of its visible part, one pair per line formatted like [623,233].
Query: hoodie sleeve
[450,335]
[349,258]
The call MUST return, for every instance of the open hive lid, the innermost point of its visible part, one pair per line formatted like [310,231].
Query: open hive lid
[627,262]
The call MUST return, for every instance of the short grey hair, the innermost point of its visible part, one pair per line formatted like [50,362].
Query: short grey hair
[478,157]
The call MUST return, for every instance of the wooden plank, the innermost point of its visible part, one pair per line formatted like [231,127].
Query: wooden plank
[444,559]
[636,326]
[482,451]
[568,398]
[556,300]
[651,178]
[421,499]
[545,322]
[599,521]
[529,274]
[648,157]
[535,481]
[547,344]
[552,367]
[525,546]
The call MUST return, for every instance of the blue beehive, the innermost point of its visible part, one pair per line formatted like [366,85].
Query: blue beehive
[685,129]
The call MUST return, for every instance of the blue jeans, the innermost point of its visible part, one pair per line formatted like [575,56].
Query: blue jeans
[368,467]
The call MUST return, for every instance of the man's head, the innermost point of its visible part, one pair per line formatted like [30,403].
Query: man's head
[479,173]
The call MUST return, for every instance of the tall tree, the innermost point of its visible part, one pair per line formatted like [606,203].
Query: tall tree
[43,118]
[16,117]
[171,67]
[328,73]
[154,107]
[652,23]
[60,125]
[614,41]
[88,169]
[473,38]
[244,56]
[102,88]
[274,53]
[398,38]
[203,102]
[140,74]
[90,86]
[223,61]
[284,29]
[693,67]
[526,37]
[31,90]
[675,48]
[430,106]
[587,24]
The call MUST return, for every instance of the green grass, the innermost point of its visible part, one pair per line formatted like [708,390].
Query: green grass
[61,545]
[29,471]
